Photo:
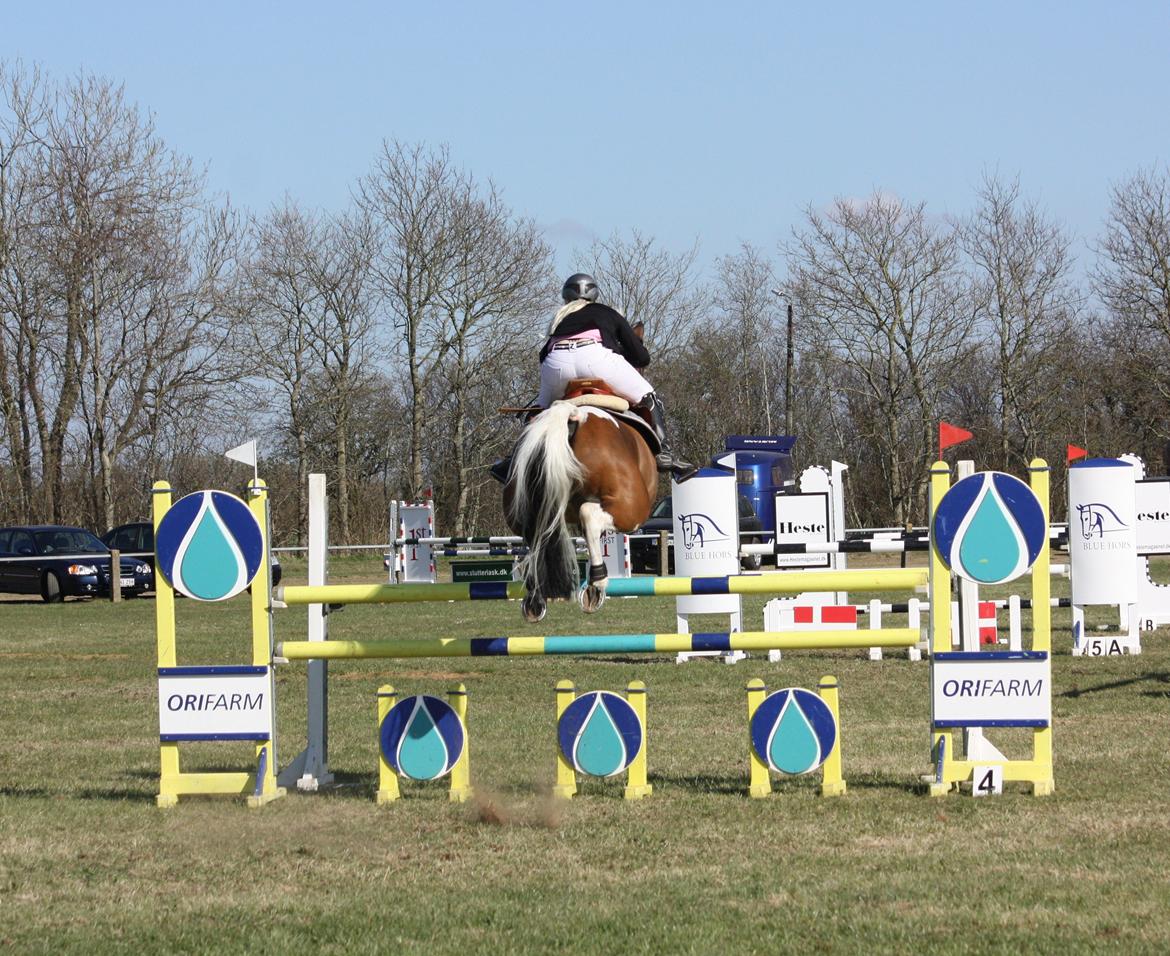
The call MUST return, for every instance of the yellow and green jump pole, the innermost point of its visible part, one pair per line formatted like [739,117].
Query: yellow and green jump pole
[595,644]
[791,582]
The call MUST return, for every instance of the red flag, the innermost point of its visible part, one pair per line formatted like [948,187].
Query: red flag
[949,434]
[1075,452]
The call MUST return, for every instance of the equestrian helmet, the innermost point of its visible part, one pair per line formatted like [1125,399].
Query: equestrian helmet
[579,286]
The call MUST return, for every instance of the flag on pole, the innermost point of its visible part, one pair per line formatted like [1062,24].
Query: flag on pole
[949,434]
[245,453]
[1075,452]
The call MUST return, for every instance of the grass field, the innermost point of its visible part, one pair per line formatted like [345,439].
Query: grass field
[89,864]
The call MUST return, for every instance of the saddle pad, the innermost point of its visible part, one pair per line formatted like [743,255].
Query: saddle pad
[614,403]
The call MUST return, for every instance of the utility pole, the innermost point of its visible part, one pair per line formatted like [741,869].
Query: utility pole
[790,352]
[788,362]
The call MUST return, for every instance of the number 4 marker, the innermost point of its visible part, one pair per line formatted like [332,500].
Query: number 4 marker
[987,781]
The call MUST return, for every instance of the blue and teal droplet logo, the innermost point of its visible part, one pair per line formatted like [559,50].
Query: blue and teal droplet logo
[793,731]
[600,734]
[422,737]
[209,545]
[989,528]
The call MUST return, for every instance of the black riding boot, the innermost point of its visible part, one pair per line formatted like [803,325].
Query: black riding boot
[666,460]
[501,469]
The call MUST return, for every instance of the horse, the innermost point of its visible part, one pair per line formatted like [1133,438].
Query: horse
[575,464]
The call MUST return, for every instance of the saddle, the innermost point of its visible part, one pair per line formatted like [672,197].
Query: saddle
[595,393]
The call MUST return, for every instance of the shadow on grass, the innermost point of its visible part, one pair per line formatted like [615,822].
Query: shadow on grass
[109,794]
[1160,677]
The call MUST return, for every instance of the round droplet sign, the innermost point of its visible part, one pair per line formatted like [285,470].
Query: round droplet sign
[793,731]
[989,528]
[422,737]
[209,545]
[600,734]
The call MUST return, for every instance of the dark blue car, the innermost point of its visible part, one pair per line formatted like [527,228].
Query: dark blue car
[55,562]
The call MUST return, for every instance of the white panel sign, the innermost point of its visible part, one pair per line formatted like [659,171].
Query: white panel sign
[418,561]
[215,703]
[984,689]
[706,537]
[615,552]
[1153,516]
[1102,535]
[801,519]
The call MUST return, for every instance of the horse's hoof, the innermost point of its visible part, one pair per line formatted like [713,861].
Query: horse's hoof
[533,611]
[592,598]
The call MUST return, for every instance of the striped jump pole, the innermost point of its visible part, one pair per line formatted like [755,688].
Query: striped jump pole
[790,582]
[875,546]
[594,644]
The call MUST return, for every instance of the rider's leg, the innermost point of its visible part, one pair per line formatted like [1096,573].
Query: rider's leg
[666,459]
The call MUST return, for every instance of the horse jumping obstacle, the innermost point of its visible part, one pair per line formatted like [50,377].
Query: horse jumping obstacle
[951,681]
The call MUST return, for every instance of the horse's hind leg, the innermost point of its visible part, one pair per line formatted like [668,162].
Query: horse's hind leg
[594,522]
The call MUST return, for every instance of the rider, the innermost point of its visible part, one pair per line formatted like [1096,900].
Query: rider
[591,340]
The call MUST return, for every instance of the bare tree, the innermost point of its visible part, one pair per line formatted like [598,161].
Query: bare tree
[1132,276]
[283,306]
[25,104]
[104,282]
[879,288]
[342,333]
[750,322]
[650,285]
[407,197]
[1025,296]
[501,277]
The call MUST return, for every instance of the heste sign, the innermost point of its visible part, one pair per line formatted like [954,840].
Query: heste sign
[802,519]
[991,689]
[1153,516]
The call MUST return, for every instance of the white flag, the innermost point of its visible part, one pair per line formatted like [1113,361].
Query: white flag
[245,453]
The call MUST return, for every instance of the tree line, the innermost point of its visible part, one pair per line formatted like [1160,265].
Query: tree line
[146,325]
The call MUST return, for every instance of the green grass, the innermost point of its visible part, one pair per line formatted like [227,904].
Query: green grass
[88,863]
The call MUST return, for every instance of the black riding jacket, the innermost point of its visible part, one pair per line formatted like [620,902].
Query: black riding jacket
[616,334]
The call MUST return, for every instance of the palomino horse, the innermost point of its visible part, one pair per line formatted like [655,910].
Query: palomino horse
[574,464]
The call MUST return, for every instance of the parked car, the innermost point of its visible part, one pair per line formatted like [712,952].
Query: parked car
[644,551]
[56,561]
[137,538]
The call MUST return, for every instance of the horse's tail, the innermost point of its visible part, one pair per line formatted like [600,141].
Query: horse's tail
[544,473]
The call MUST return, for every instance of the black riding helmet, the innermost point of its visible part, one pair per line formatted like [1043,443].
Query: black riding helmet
[579,286]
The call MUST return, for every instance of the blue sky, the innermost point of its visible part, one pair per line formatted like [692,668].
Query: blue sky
[711,121]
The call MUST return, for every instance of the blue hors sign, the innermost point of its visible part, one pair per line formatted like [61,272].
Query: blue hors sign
[214,703]
[991,689]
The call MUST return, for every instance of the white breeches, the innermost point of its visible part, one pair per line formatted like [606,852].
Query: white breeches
[593,361]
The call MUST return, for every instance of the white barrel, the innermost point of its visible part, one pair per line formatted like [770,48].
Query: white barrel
[1102,532]
[706,536]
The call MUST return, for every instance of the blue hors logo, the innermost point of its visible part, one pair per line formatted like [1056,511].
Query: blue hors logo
[700,530]
[1098,518]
